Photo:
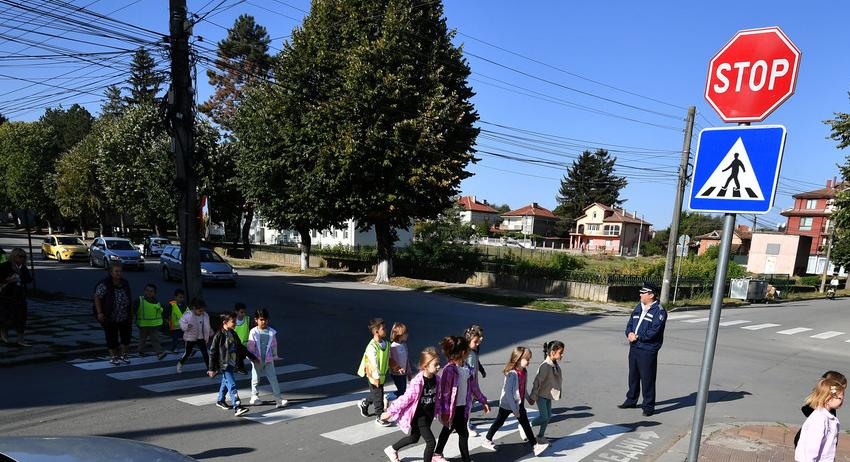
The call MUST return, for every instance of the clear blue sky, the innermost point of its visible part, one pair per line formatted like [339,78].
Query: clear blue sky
[588,52]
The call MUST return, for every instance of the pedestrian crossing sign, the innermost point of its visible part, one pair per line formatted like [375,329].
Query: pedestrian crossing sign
[736,169]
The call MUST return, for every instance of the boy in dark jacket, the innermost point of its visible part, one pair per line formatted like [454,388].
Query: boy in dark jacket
[226,351]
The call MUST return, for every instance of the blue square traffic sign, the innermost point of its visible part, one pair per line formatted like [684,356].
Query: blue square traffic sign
[736,169]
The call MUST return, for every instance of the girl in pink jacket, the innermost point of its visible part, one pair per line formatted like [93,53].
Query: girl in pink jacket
[819,436]
[414,410]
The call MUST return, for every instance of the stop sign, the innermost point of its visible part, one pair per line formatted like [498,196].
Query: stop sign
[752,75]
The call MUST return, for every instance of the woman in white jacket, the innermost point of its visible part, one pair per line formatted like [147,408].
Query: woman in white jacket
[197,332]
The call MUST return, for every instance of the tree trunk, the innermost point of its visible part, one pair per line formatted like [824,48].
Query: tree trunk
[246,229]
[385,240]
[306,242]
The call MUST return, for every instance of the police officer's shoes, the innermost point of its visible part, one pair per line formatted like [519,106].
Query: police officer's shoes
[648,412]
[627,405]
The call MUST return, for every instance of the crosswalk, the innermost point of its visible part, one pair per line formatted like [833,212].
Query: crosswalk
[749,325]
[161,377]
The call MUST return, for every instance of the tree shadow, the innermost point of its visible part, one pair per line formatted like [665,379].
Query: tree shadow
[714,396]
[221,452]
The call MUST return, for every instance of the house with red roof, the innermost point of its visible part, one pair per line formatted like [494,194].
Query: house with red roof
[810,216]
[477,213]
[609,229]
[528,220]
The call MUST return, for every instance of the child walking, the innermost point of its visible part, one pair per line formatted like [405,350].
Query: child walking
[242,328]
[807,409]
[177,308]
[149,320]
[547,386]
[225,352]
[819,436]
[262,343]
[414,410]
[197,331]
[400,369]
[512,399]
[475,336]
[374,366]
[457,389]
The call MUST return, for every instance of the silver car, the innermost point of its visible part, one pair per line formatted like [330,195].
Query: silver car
[84,449]
[104,251]
[214,269]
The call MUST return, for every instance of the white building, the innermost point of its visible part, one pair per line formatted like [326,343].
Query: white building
[347,235]
[477,213]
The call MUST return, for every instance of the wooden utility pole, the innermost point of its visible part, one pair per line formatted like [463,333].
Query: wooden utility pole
[182,115]
[677,206]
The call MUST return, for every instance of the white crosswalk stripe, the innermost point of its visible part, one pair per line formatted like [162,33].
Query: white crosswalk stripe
[733,323]
[676,317]
[210,398]
[134,361]
[760,326]
[206,381]
[694,321]
[793,331]
[313,408]
[827,334]
[583,442]
[157,372]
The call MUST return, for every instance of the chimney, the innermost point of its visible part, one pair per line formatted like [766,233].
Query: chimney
[828,184]
[473,200]
[534,205]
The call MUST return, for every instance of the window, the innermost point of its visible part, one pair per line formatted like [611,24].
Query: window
[325,233]
[611,230]
[345,234]
[811,204]
[772,249]
[592,228]
[806,224]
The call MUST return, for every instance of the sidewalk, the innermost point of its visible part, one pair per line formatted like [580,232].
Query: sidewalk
[754,442]
[56,329]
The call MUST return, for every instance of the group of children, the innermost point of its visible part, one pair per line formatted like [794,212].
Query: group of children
[449,395]
[818,438]
[224,351]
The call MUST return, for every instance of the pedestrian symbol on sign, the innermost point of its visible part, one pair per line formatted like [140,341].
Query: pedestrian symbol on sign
[735,168]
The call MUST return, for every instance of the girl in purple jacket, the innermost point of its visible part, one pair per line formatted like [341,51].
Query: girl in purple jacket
[457,388]
[414,410]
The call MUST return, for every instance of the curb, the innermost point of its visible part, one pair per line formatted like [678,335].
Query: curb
[678,451]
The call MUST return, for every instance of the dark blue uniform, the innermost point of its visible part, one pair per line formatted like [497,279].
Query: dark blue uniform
[643,354]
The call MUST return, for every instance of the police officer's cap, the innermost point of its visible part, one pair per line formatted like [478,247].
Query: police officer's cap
[649,287]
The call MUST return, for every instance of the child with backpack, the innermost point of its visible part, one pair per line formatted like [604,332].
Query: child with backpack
[226,351]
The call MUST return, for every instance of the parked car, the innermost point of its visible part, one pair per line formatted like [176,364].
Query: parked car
[153,246]
[83,449]
[105,251]
[63,248]
[214,269]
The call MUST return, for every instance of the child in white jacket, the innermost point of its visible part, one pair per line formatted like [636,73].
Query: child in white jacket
[197,332]
[263,344]
[819,436]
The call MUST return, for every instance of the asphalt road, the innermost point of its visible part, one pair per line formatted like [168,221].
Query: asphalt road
[765,365]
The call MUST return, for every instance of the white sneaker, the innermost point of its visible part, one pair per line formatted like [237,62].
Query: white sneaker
[179,368]
[255,399]
[282,403]
[488,445]
[539,448]
[391,453]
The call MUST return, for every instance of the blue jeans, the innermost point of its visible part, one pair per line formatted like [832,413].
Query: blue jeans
[544,405]
[228,382]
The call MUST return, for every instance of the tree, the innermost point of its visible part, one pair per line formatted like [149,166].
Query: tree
[3,119]
[219,181]
[145,81]
[589,179]
[78,192]
[115,105]
[242,58]
[398,116]
[840,132]
[27,155]
[70,126]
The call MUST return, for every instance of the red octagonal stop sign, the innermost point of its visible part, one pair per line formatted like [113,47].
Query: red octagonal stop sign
[752,75]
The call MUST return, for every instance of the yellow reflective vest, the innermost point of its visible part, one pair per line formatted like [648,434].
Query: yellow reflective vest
[149,313]
[243,330]
[176,314]
[383,359]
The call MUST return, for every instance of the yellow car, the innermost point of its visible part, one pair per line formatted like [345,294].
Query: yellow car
[64,248]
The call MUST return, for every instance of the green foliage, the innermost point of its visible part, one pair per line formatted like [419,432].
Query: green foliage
[217,178]
[27,157]
[560,265]
[840,129]
[699,267]
[114,105]
[590,179]
[242,59]
[70,126]
[345,253]
[145,80]
[78,193]
[811,281]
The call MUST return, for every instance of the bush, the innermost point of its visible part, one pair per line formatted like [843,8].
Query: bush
[810,281]
[700,267]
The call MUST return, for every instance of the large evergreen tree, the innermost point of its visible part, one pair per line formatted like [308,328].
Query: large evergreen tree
[115,105]
[145,80]
[589,179]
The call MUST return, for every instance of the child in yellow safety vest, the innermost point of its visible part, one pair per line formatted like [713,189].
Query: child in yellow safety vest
[242,329]
[149,320]
[177,308]
[374,366]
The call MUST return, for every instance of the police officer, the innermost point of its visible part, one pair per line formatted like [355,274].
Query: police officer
[645,332]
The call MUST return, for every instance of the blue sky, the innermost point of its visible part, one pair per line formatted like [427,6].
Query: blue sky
[609,74]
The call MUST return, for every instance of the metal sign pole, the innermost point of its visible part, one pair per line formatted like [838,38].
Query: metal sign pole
[711,336]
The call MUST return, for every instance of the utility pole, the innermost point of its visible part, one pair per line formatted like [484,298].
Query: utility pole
[828,252]
[677,206]
[640,235]
[182,115]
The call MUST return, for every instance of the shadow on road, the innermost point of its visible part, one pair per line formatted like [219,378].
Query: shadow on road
[714,396]
[221,452]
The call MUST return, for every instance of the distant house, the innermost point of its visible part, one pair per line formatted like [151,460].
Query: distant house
[477,213]
[741,239]
[528,220]
[609,229]
[810,217]
[346,235]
